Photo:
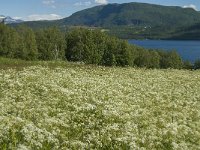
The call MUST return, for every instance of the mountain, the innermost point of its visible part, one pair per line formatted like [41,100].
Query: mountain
[9,20]
[188,33]
[132,20]
[133,14]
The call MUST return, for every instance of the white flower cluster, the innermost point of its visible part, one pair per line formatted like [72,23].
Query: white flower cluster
[99,108]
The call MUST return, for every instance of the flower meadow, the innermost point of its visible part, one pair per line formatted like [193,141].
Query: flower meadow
[87,107]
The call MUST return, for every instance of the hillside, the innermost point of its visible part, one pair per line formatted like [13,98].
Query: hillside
[191,33]
[133,20]
[136,14]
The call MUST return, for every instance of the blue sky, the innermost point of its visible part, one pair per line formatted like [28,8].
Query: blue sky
[56,9]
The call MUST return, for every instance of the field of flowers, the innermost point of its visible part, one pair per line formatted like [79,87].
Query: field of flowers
[85,107]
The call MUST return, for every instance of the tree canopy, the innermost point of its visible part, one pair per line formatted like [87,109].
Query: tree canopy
[82,45]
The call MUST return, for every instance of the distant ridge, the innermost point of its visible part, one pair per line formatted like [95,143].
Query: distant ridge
[134,20]
[133,14]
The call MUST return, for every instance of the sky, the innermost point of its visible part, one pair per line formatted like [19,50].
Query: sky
[56,9]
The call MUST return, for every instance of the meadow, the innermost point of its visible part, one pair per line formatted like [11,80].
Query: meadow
[76,106]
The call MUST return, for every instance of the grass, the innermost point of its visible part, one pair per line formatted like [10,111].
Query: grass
[61,105]
[7,63]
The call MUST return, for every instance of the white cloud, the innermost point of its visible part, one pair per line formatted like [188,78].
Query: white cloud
[102,2]
[17,18]
[50,3]
[36,17]
[190,6]
[88,3]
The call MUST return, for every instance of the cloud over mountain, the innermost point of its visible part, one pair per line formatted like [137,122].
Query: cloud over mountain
[35,17]
[88,3]
[190,6]
[103,2]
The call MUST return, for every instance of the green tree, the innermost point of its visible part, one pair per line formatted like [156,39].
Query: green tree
[143,58]
[95,47]
[98,42]
[75,45]
[9,41]
[122,53]
[28,46]
[51,44]
[85,45]
[148,58]
[197,64]
[108,58]
[154,59]
[170,59]
[187,65]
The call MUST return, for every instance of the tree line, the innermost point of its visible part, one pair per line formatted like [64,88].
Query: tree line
[83,45]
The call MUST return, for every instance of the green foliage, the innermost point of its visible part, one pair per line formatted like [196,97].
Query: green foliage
[187,65]
[95,47]
[47,44]
[76,51]
[109,57]
[51,44]
[122,53]
[197,64]
[19,64]
[18,44]
[154,59]
[148,59]
[9,41]
[28,46]
[82,45]
[170,59]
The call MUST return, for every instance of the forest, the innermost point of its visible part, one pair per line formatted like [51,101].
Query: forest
[89,46]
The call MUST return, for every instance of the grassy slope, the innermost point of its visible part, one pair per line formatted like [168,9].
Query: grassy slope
[133,20]
[86,107]
[134,14]
[6,63]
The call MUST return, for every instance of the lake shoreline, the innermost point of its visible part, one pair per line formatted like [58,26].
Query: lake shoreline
[163,39]
[188,49]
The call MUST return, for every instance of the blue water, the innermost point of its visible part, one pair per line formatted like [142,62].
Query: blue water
[188,50]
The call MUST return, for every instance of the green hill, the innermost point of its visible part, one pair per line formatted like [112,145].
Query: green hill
[133,14]
[135,20]
[188,33]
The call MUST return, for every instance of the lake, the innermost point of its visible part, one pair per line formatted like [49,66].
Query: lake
[189,50]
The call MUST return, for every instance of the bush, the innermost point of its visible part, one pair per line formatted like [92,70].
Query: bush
[197,64]
[51,44]
[170,59]
[95,47]
[187,65]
